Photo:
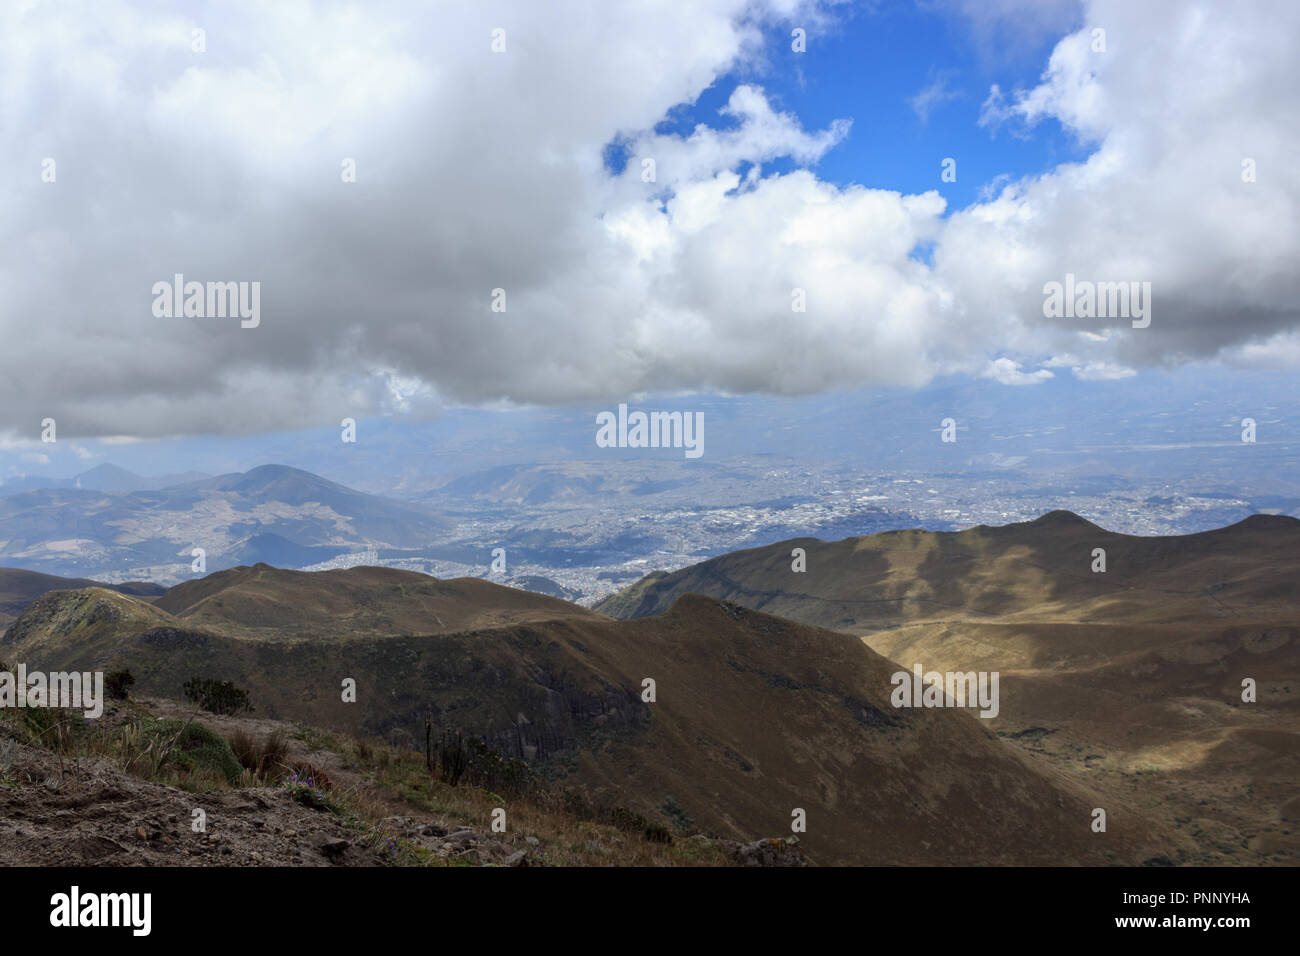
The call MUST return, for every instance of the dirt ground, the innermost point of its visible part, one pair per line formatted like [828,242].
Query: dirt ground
[86,812]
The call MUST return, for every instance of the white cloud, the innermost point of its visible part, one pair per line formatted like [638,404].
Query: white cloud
[1102,372]
[1008,372]
[1280,351]
[1182,94]
[479,171]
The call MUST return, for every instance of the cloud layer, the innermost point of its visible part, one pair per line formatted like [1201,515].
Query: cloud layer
[478,171]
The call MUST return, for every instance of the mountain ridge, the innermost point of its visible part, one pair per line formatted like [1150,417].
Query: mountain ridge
[754,715]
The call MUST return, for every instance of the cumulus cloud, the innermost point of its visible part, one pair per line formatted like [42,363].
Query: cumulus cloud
[1182,95]
[478,171]
[1008,372]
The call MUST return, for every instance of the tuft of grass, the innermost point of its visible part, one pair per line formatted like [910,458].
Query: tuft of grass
[59,731]
[265,758]
[317,739]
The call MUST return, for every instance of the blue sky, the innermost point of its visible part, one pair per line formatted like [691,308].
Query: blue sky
[870,65]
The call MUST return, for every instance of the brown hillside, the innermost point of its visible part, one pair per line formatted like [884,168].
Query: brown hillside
[274,604]
[1130,680]
[755,716]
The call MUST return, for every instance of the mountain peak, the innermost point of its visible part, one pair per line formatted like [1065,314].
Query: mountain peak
[108,468]
[1060,518]
[1266,522]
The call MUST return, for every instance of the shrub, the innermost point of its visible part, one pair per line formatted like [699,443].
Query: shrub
[480,766]
[489,770]
[680,818]
[193,748]
[218,697]
[117,684]
[579,804]
[453,758]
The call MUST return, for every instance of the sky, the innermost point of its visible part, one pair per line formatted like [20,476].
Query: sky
[1112,141]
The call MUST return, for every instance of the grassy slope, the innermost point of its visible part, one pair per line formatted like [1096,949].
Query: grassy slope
[272,604]
[19,588]
[1129,680]
[126,786]
[756,716]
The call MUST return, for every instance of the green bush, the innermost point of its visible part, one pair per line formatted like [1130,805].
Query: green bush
[480,766]
[453,758]
[219,697]
[117,684]
[193,747]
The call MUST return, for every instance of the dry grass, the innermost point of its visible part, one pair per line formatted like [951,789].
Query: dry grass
[372,783]
[266,757]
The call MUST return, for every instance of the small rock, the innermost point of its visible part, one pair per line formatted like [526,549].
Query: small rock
[516,859]
[773,852]
[461,836]
[532,841]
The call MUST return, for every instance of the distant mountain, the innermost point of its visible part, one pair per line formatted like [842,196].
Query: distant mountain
[19,588]
[277,550]
[105,477]
[1133,675]
[108,477]
[755,716]
[269,514]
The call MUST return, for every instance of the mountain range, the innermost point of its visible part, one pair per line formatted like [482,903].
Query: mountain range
[1120,689]
[274,513]
[1130,677]
[754,719]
